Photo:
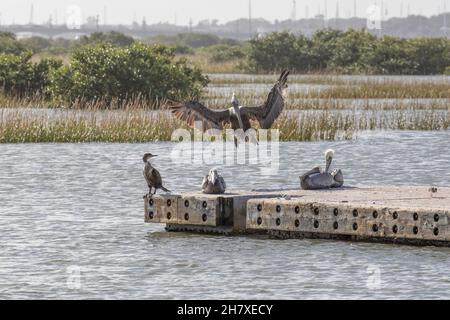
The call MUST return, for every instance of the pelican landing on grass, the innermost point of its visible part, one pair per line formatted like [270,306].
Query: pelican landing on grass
[318,179]
[152,175]
[213,183]
[238,116]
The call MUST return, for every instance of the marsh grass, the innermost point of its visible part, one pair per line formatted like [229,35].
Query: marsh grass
[318,79]
[362,90]
[133,125]
[325,125]
[138,125]
[382,90]
[40,101]
[336,104]
[329,113]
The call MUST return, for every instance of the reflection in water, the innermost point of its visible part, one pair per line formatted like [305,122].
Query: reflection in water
[80,205]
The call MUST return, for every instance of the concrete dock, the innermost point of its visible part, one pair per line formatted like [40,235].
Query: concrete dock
[407,215]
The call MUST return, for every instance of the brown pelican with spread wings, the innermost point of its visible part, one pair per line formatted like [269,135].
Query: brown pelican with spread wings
[238,116]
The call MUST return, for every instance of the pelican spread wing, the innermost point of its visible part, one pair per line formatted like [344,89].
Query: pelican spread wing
[265,114]
[192,111]
[272,108]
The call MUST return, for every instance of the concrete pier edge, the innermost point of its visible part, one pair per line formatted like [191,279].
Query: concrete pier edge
[398,215]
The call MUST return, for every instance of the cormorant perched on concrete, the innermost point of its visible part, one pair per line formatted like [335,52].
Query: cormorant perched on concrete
[152,175]
[213,183]
[318,179]
[237,115]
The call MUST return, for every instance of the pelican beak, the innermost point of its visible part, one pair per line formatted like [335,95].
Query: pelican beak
[328,164]
[213,177]
[241,124]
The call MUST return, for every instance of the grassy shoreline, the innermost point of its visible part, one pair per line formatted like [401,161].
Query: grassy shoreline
[138,125]
[333,108]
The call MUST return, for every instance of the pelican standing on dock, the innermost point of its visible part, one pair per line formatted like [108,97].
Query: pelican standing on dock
[152,175]
[213,183]
[238,116]
[318,179]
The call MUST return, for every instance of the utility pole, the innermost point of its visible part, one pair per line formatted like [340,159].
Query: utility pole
[294,11]
[337,15]
[445,28]
[420,23]
[190,25]
[250,18]
[31,14]
[337,10]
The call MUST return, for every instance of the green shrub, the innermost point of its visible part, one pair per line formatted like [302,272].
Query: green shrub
[19,76]
[112,37]
[41,75]
[323,47]
[222,53]
[351,51]
[182,49]
[431,54]
[9,44]
[105,72]
[16,73]
[48,46]
[273,52]
[354,51]
[192,40]
[36,44]
[447,71]
[393,56]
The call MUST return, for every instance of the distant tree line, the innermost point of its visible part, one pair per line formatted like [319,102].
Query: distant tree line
[351,51]
[411,26]
[112,66]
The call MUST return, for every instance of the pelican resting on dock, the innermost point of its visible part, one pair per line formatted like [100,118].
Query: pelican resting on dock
[238,116]
[213,183]
[318,179]
[152,175]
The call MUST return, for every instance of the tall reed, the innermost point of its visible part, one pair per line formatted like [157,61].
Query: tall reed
[137,125]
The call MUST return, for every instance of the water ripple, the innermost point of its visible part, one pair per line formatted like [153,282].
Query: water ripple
[66,205]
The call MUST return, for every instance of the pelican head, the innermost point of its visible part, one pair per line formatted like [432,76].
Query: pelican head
[148,156]
[236,110]
[234,100]
[328,158]
[213,175]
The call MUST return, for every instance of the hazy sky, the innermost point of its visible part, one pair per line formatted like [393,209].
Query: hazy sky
[124,11]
